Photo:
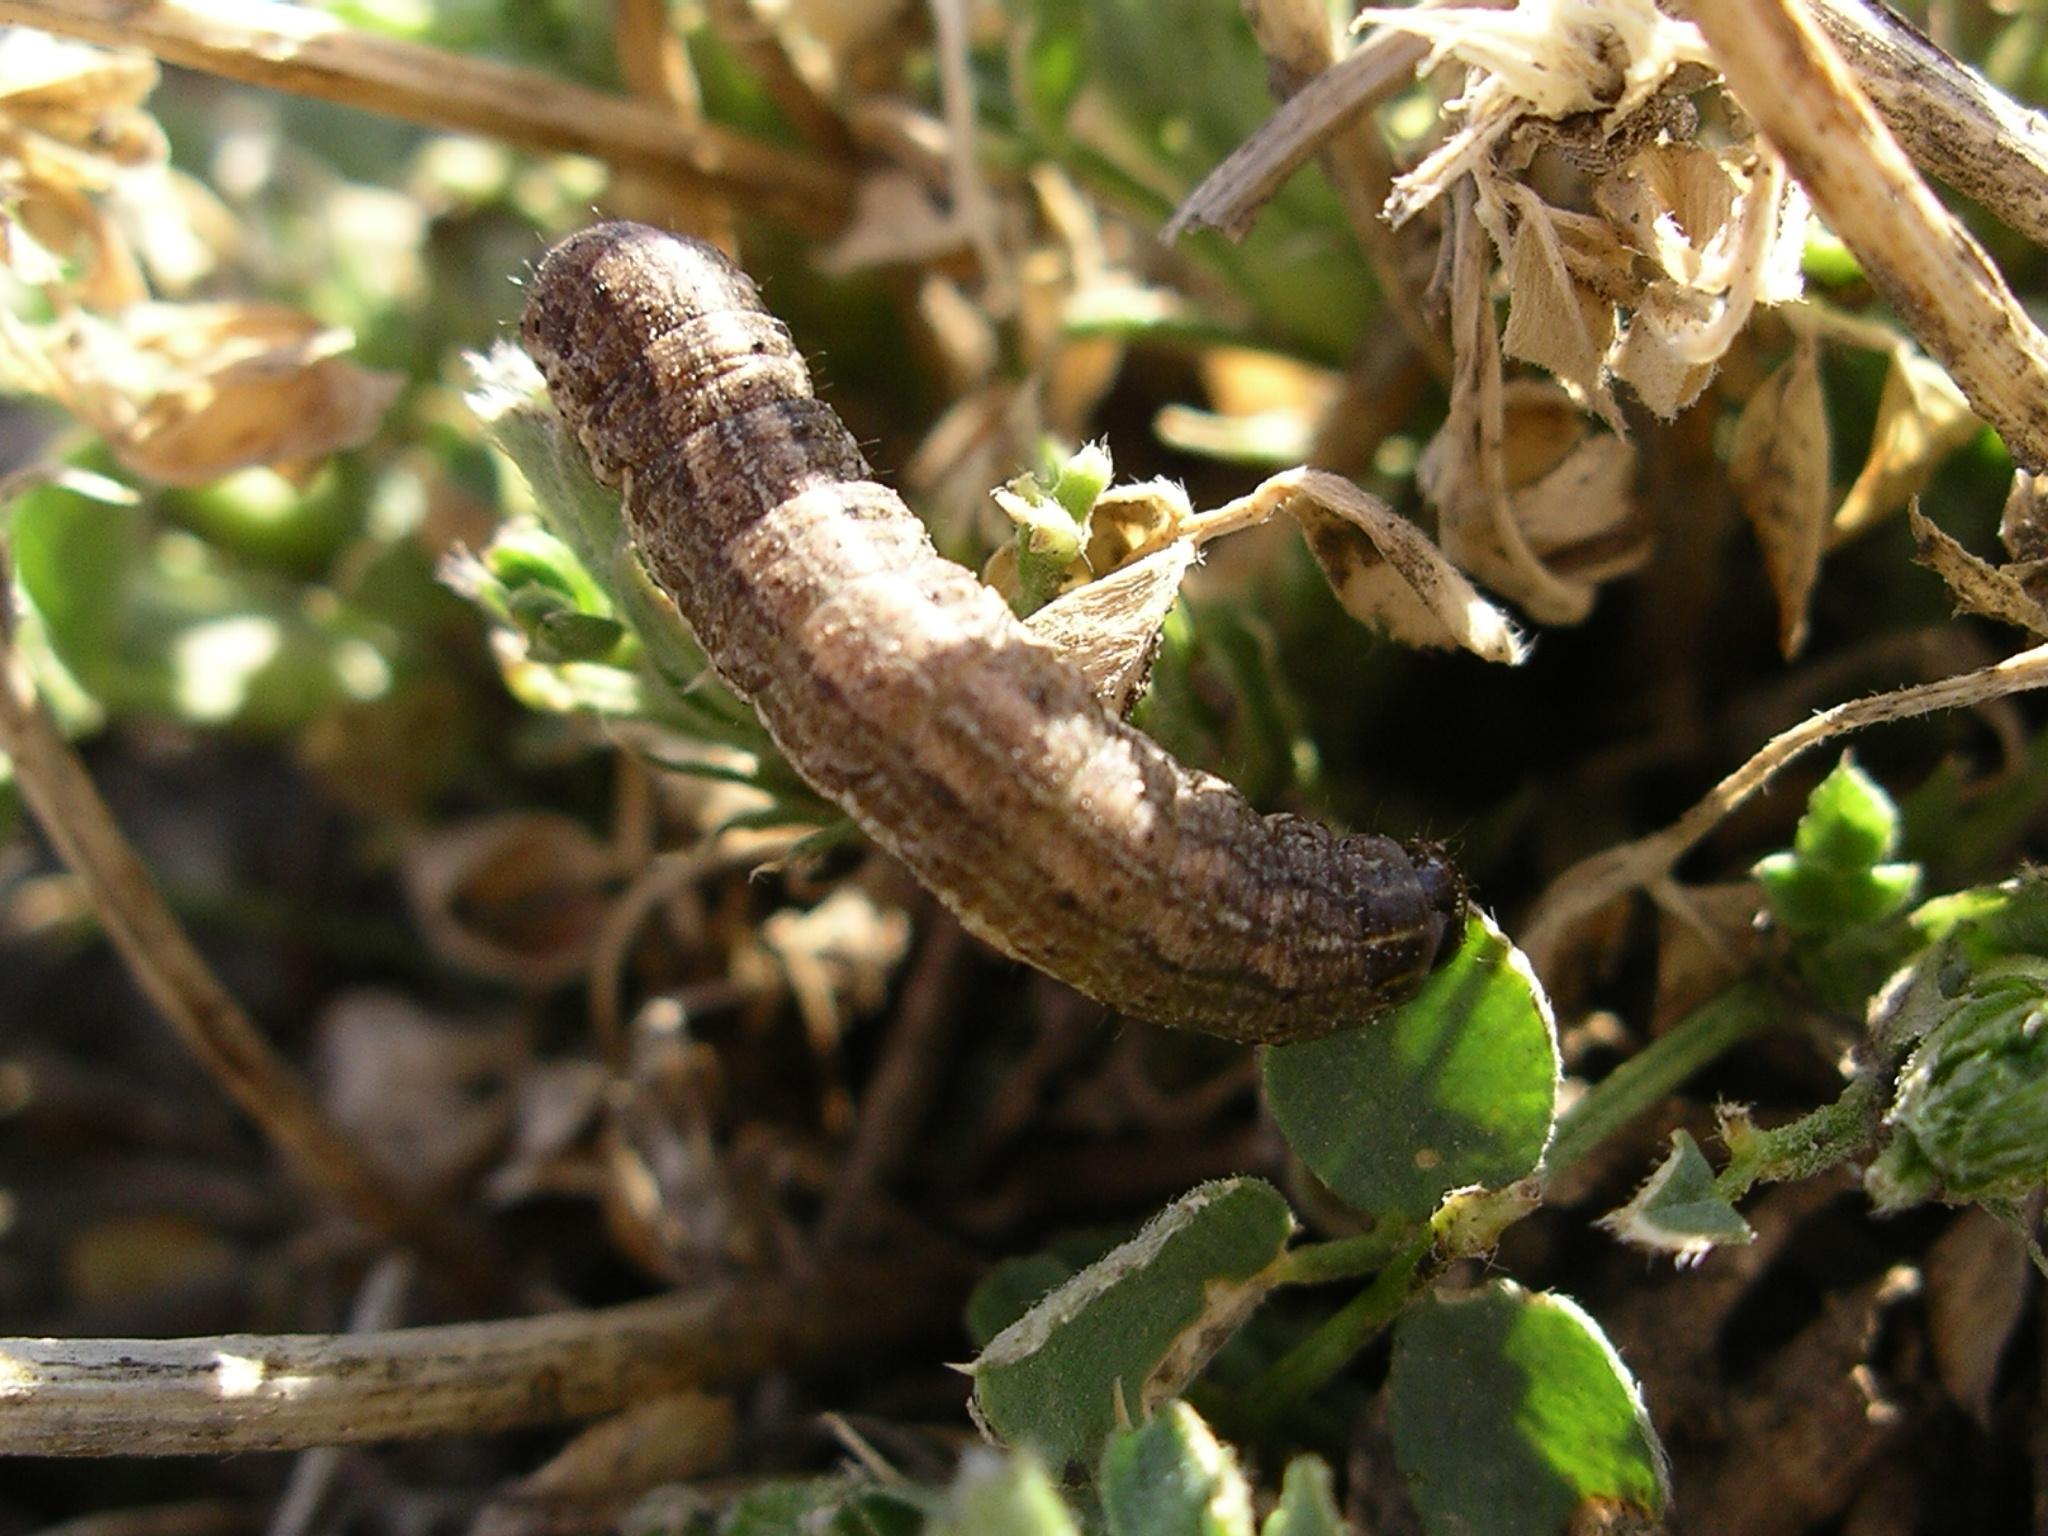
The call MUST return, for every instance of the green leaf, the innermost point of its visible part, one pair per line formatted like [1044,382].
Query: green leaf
[1678,1211]
[1172,1477]
[1079,479]
[582,514]
[821,1507]
[260,516]
[1003,1496]
[1307,1507]
[1834,879]
[1850,822]
[1511,1414]
[1011,1289]
[1454,1089]
[1134,1327]
[73,557]
[1991,922]
[161,624]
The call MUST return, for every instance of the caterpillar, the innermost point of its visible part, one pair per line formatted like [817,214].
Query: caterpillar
[906,691]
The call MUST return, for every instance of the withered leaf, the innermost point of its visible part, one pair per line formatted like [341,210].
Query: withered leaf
[1651,355]
[1780,473]
[1580,516]
[1463,471]
[518,897]
[1553,321]
[1109,628]
[1388,574]
[185,393]
[87,99]
[1669,202]
[1977,586]
[429,1095]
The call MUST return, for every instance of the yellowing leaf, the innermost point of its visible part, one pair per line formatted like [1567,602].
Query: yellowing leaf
[1921,418]
[1780,473]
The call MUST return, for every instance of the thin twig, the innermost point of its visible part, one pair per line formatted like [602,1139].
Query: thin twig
[1230,197]
[312,1478]
[901,1088]
[307,52]
[1590,884]
[1295,37]
[1802,96]
[656,68]
[278,1392]
[763,58]
[177,981]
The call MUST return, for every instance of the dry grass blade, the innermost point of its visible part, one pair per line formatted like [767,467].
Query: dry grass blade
[172,975]
[303,51]
[1591,883]
[1230,196]
[1950,119]
[1295,37]
[1794,84]
[248,1392]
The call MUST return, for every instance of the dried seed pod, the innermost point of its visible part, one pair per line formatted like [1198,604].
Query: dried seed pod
[905,690]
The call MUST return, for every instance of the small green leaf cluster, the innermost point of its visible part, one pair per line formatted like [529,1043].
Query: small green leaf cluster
[1510,1411]
[1051,510]
[1948,1099]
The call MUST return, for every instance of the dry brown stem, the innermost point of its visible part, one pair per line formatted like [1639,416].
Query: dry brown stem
[1950,119]
[1796,87]
[275,1392]
[1230,196]
[294,49]
[763,57]
[1591,883]
[902,1087]
[655,67]
[178,982]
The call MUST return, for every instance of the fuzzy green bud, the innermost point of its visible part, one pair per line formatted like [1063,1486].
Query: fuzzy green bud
[1969,1117]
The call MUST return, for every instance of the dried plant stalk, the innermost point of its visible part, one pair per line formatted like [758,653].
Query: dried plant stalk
[904,689]
[281,1392]
[1593,882]
[1951,120]
[304,51]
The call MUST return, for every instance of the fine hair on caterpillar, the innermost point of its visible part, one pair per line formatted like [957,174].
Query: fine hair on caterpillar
[905,690]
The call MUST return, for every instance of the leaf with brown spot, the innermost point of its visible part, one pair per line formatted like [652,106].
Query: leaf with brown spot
[1780,473]
[1386,572]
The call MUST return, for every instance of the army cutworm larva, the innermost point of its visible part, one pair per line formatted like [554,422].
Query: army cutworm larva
[905,690]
